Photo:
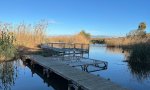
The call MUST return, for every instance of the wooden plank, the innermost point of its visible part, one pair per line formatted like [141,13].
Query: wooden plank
[76,76]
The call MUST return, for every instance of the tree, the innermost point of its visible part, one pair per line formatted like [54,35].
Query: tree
[83,33]
[138,32]
[142,26]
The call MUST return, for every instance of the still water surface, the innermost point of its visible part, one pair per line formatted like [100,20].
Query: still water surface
[122,73]
[15,75]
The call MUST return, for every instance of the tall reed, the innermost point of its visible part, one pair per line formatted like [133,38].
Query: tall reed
[30,36]
[7,39]
[77,38]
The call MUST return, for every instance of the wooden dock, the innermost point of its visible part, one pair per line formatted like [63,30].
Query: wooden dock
[77,79]
[66,48]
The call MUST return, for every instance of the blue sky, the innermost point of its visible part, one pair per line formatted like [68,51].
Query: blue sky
[98,17]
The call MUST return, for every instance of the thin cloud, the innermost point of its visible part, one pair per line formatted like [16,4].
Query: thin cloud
[52,22]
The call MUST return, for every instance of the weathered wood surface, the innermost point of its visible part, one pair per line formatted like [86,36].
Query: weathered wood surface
[79,78]
[66,48]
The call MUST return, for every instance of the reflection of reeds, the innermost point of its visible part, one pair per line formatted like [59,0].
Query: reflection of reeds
[139,70]
[138,57]
[139,60]
[8,74]
[115,49]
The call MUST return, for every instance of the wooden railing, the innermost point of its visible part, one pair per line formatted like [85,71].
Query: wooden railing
[69,45]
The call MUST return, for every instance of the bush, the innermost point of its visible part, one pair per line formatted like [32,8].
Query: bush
[139,33]
[7,48]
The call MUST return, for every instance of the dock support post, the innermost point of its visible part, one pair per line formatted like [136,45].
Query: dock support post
[46,72]
[32,64]
[52,45]
[70,86]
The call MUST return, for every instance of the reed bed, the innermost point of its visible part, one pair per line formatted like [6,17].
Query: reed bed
[138,48]
[70,39]
[124,41]
[30,36]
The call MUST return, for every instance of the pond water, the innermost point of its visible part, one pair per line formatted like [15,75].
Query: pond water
[14,75]
[130,76]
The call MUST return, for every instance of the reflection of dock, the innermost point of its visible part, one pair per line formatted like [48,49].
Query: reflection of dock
[52,80]
[77,79]
[66,48]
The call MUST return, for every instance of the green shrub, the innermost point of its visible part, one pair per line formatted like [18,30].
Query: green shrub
[7,48]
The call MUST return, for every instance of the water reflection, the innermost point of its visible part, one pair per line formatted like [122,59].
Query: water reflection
[114,50]
[139,65]
[8,75]
[139,69]
[57,82]
[16,75]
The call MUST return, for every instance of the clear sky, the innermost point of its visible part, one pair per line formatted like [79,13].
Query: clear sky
[98,17]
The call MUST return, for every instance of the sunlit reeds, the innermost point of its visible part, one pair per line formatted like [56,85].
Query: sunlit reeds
[78,38]
[30,36]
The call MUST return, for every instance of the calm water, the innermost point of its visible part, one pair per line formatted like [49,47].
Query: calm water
[133,77]
[15,75]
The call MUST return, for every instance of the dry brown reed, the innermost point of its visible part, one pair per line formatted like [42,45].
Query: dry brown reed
[124,41]
[70,39]
[30,36]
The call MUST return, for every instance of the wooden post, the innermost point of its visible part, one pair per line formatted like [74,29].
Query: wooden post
[82,51]
[82,46]
[69,87]
[74,49]
[32,64]
[64,45]
[88,48]
[74,46]
[52,45]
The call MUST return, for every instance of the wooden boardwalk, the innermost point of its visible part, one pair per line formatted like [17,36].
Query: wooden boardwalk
[66,48]
[78,79]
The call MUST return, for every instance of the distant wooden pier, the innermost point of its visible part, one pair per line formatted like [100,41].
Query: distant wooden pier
[77,79]
[67,48]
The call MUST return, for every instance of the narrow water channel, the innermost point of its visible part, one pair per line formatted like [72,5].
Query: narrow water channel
[16,75]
